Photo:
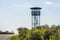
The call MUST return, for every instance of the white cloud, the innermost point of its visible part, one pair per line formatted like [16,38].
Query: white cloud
[52,4]
[48,3]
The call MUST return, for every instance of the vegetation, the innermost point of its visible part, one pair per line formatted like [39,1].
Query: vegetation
[15,37]
[6,32]
[38,33]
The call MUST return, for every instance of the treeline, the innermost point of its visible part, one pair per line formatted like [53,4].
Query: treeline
[6,32]
[43,32]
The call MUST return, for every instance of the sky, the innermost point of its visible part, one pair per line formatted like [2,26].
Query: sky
[17,13]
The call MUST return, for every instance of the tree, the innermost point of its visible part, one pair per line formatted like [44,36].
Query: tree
[34,35]
[47,35]
[22,33]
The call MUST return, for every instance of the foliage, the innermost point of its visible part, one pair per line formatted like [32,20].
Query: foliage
[15,37]
[37,33]
[22,33]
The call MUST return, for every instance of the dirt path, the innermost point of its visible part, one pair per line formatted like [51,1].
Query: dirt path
[5,36]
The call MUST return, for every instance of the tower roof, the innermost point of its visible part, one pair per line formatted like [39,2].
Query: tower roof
[35,8]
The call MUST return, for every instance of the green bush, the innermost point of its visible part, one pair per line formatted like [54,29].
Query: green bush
[14,38]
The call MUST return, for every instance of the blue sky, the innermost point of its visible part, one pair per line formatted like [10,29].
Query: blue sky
[17,13]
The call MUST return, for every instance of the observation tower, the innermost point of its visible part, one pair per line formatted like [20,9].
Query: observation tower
[35,13]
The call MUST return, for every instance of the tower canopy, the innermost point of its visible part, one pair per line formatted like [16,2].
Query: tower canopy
[35,8]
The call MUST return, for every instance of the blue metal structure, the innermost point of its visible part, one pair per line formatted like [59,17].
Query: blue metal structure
[35,12]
